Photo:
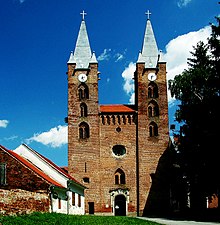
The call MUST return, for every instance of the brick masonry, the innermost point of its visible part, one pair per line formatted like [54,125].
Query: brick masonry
[24,191]
[93,158]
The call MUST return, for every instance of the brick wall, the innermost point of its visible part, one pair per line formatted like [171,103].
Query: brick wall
[24,191]
[93,158]
[84,154]
[18,201]
[110,136]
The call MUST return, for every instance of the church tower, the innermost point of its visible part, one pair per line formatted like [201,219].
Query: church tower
[83,110]
[152,126]
[115,150]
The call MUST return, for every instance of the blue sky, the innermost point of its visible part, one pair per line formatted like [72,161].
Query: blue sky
[35,43]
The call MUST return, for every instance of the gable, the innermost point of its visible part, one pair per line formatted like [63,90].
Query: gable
[22,174]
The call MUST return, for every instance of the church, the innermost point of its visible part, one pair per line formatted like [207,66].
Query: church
[117,151]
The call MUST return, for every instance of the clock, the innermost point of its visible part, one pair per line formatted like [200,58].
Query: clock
[152,76]
[82,77]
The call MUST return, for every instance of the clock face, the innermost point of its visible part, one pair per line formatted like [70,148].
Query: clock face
[152,76]
[82,77]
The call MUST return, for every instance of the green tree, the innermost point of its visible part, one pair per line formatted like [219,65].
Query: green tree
[198,90]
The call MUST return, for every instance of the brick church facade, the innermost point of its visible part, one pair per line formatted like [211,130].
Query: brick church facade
[116,150]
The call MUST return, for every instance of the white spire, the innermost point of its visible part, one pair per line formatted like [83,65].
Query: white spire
[149,53]
[82,54]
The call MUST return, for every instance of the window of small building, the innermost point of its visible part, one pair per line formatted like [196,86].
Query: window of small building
[2,173]
[59,203]
[83,130]
[79,200]
[73,199]
[119,177]
[119,150]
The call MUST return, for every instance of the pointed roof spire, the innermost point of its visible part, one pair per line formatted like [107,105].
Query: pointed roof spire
[82,54]
[149,53]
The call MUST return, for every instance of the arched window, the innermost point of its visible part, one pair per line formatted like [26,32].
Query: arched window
[83,92]
[152,90]
[83,110]
[83,130]
[119,176]
[153,129]
[150,111]
[153,109]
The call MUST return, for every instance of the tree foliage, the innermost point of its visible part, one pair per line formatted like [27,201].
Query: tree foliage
[198,90]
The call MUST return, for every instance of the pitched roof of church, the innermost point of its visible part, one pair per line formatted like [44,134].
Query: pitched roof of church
[31,167]
[149,53]
[82,55]
[117,108]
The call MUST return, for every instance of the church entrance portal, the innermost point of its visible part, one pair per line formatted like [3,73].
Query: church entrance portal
[120,205]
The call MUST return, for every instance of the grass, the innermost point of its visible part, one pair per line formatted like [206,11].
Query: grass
[61,219]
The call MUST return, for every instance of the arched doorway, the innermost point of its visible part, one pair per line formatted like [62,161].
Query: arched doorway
[120,205]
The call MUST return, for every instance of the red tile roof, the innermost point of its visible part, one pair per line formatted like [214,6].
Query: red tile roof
[117,108]
[32,167]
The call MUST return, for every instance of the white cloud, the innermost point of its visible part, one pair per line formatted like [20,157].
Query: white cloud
[11,138]
[118,57]
[178,50]
[183,3]
[55,137]
[109,53]
[105,55]
[4,123]
[128,75]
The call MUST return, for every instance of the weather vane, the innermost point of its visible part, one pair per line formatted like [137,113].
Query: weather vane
[83,13]
[148,13]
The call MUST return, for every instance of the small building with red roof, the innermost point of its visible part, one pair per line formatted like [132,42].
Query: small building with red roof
[30,182]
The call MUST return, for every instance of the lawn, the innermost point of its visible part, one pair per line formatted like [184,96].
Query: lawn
[61,219]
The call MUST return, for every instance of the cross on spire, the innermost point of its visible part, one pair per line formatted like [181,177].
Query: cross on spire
[83,13]
[148,13]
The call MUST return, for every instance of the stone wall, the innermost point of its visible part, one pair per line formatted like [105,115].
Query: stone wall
[18,201]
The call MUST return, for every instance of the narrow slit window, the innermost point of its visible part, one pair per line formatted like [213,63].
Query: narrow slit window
[2,173]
